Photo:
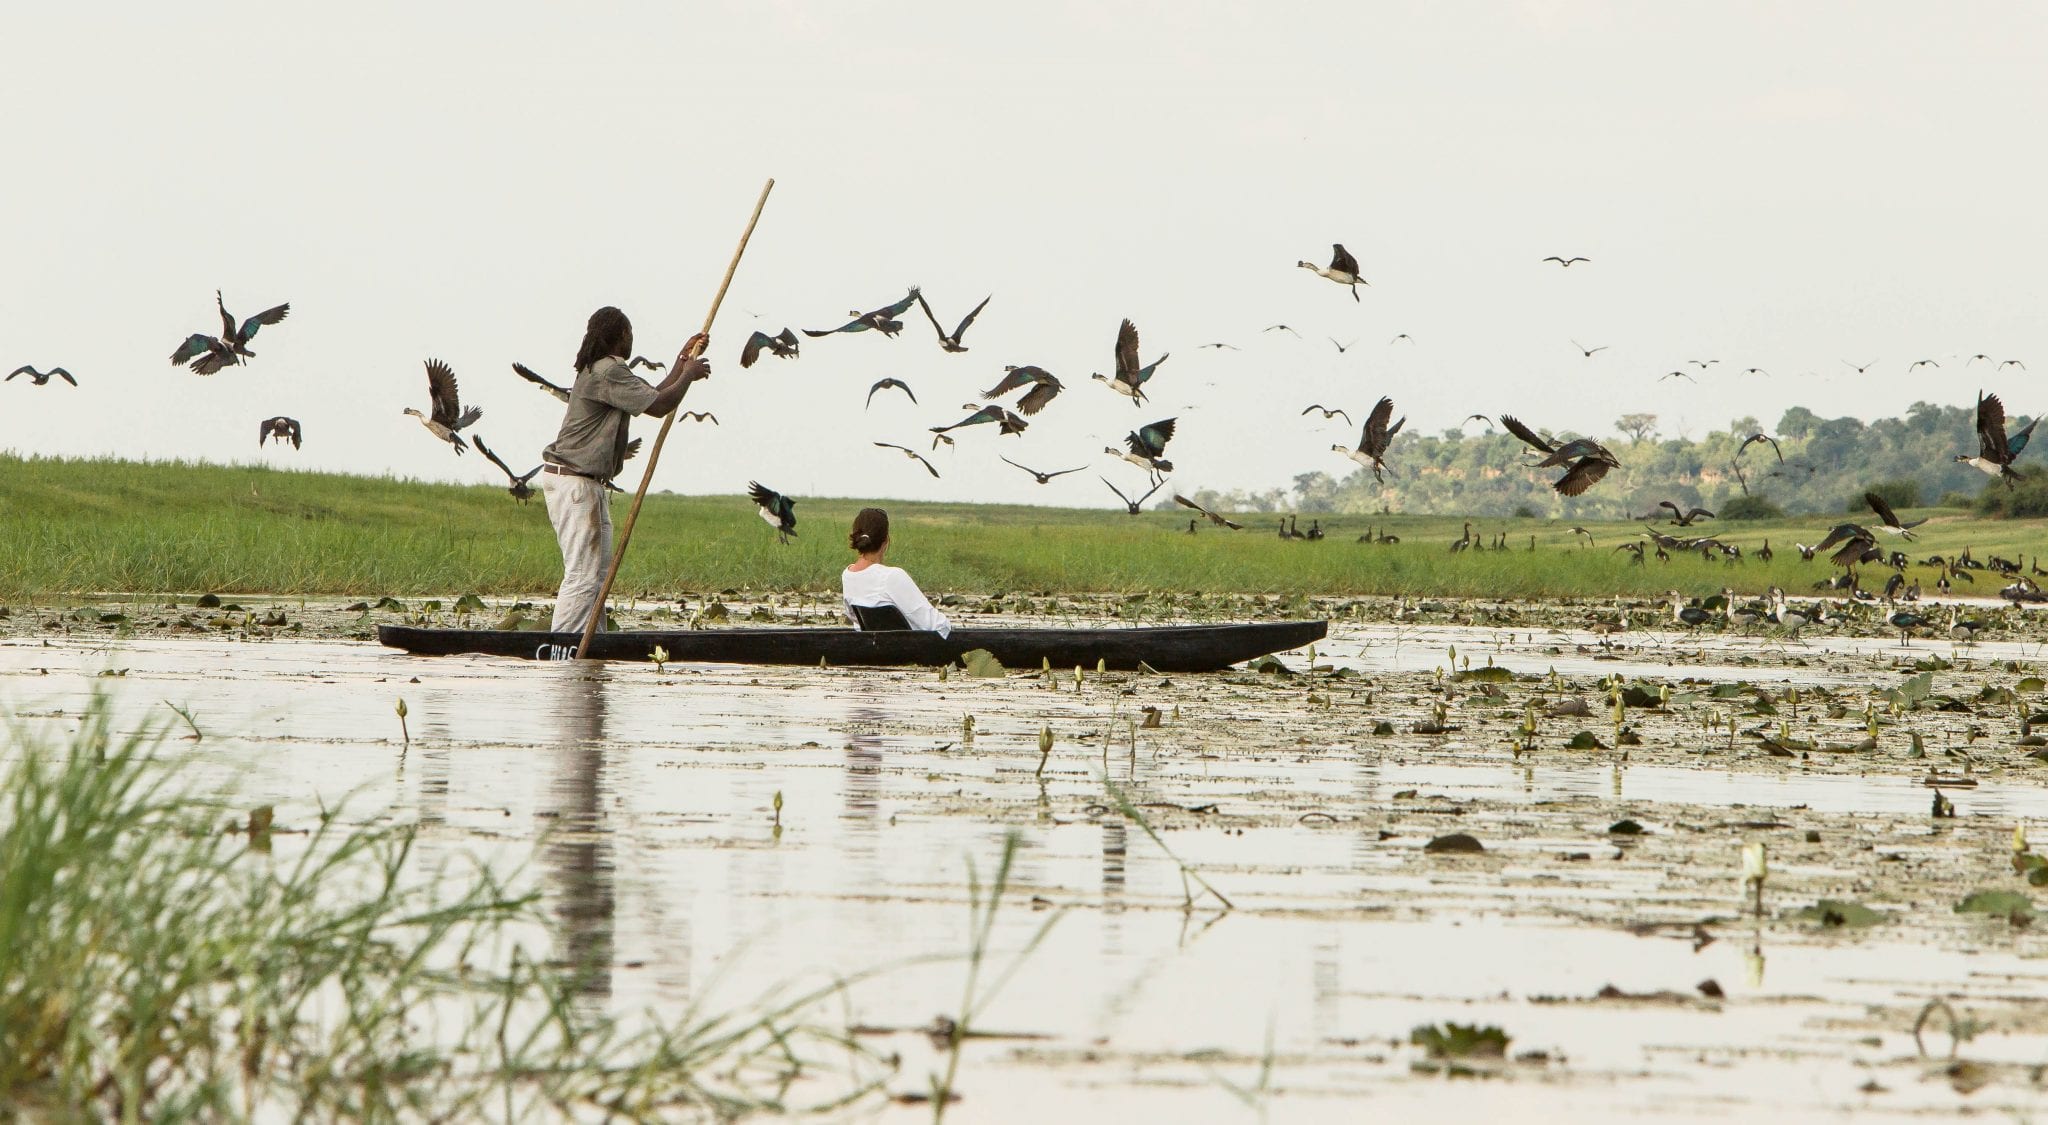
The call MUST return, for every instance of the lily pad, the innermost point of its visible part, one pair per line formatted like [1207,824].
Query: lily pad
[982,664]
[1584,740]
[1832,914]
[2005,904]
[1460,1041]
[390,603]
[1457,843]
[469,603]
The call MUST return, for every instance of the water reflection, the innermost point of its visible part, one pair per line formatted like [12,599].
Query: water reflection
[576,862]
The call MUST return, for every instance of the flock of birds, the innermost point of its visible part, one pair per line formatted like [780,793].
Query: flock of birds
[1583,462]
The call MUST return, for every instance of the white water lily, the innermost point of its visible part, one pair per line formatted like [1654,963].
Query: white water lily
[1755,863]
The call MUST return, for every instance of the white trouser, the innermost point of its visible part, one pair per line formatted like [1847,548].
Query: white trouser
[583,526]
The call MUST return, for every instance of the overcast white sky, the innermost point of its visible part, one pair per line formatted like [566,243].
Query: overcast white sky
[1772,185]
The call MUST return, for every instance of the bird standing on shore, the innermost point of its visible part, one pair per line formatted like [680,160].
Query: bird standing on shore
[1343,269]
[447,416]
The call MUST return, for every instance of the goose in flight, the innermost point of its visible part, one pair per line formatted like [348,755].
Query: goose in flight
[1232,347]
[282,428]
[1374,439]
[520,490]
[1587,459]
[447,415]
[1043,478]
[1996,450]
[1044,387]
[1343,269]
[1328,412]
[1676,375]
[1342,348]
[1219,521]
[1920,363]
[1130,378]
[1755,371]
[640,361]
[1890,521]
[888,384]
[1007,422]
[560,392]
[208,354]
[1588,352]
[1754,438]
[951,343]
[1684,518]
[1129,504]
[913,454]
[42,378]
[1566,262]
[1859,368]
[1281,328]
[777,511]
[2012,363]
[782,345]
[882,320]
[688,416]
[1401,337]
[1703,363]
[1146,447]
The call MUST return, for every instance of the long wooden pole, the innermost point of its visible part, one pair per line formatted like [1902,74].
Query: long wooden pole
[654,455]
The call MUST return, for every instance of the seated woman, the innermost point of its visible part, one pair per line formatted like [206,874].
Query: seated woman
[868,583]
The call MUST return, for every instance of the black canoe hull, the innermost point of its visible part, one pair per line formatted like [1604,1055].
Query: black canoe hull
[1174,648]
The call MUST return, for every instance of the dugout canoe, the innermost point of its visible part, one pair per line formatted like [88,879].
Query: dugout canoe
[1170,648]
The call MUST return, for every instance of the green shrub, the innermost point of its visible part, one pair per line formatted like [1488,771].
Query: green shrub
[1750,508]
[2026,499]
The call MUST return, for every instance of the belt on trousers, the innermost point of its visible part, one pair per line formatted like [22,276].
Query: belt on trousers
[564,471]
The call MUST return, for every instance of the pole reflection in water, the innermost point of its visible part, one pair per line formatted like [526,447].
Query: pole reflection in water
[576,862]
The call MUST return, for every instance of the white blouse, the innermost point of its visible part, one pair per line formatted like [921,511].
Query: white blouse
[891,585]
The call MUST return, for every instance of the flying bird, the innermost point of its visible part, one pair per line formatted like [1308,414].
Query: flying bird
[1329,412]
[1703,363]
[1754,371]
[447,416]
[1342,348]
[782,345]
[1920,363]
[1996,451]
[882,320]
[886,384]
[688,415]
[41,378]
[1129,503]
[527,373]
[1860,368]
[1401,337]
[1890,520]
[1588,459]
[1480,418]
[640,361]
[520,490]
[777,511]
[1130,378]
[1280,328]
[913,454]
[1343,269]
[951,343]
[1044,387]
[282,428]
[1232,347]
[2012,363]
[1374,439]
[1588,352]
[1685,518]
[1007,422]
[1566,262]
[1676,375]
[1146,447]
[208,354]
[1219,521]
[1754,438]
[1043,478]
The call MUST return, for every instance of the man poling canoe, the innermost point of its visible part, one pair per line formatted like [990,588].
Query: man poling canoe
[590,450]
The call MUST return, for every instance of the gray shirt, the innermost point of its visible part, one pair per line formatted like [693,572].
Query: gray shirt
[593,436]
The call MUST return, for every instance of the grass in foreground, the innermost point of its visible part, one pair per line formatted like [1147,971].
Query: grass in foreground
[71,526]
[154,967]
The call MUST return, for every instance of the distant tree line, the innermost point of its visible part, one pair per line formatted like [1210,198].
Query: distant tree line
[1828,463]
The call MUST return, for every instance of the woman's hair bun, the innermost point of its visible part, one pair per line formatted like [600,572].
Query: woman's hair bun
[870,530]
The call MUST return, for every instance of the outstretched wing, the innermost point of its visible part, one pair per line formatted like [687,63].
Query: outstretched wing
[642,361]
[1017,377]
[1991,444]
[929,316]
[1119,492]
[969,318]
[1150,491]
[752,351]
[531,376]
[891,312]
[227,320]
[1035,399]
[267,316]
[1341,259]
[64,375]
[1374,439]
[478,441]
[1584,474]
[1127,353]
[447,400]
[632,449]
[195,345]
[1151,440]
[1883,510]
[1514,426]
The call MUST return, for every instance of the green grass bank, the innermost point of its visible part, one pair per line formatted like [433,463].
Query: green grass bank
[93,526]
